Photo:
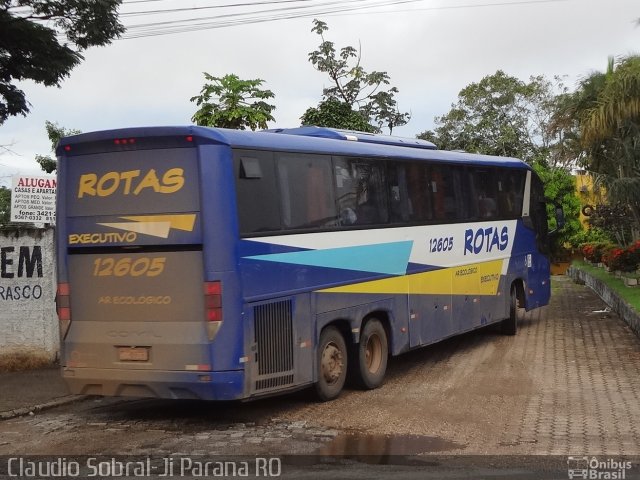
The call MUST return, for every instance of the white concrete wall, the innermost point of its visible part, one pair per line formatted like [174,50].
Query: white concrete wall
[28,320]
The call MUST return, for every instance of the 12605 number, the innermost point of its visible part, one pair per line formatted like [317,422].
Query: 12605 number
[444,244]
[108,267]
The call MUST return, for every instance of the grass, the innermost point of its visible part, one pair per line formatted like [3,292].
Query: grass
[631,295]
[21,361]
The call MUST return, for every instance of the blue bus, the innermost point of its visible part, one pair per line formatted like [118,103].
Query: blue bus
[201,263]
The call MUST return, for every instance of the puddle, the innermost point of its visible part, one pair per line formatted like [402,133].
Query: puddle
[371,446]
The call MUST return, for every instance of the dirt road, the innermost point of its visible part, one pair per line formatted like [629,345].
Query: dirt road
[567,384]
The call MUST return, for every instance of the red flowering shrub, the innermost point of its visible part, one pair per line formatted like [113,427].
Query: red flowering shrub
[593,252]
[623,259]
[614,259]
[631,258]
[588,251]
[608,257]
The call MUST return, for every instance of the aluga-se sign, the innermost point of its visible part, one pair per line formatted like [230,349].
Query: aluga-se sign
[33,199]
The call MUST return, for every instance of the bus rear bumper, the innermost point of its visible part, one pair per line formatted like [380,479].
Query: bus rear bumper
[227,385]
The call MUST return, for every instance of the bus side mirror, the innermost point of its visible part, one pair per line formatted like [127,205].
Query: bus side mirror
[560,220]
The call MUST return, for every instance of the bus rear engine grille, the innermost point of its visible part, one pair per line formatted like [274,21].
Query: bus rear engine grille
[274,382]
[274,342]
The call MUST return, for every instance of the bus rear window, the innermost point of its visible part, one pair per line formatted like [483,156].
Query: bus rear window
[132,182]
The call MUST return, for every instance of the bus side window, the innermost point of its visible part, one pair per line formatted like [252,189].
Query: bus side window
[442,189]
[400,207]
[256,192]
[464,201]
[485,186]
[306,191]
[361,191]
[418,192]
[510,193]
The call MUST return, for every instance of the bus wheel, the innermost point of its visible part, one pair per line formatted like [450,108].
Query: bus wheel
[332,364]
[373,351]
[509,326]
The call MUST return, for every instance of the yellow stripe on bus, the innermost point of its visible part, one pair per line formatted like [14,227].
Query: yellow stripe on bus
[474,279]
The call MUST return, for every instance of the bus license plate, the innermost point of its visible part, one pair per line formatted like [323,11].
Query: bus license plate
[133,354]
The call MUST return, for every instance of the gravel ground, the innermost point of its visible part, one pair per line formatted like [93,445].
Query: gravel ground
[567,384]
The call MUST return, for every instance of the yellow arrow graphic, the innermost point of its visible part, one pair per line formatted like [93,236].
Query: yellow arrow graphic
[179,222]
[155,225]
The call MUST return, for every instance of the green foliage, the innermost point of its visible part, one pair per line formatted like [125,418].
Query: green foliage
[55,132]
[229,102]
[352,85]
[601,119]
[47,163]
[5,205]
[621,179]
[500,115]
[383,108]
[618,102]
[589,235]
[336,114]
[559,189]
[32,48]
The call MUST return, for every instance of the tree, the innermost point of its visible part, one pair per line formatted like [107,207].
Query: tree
[384,110]
[30,45]
[618,103]
[360,91]
[603,115]
[611,127]
[336,114]
[560,189]
[230,102]
[500,115]
[615,221]
[5,205]
[567,120]
[55,132]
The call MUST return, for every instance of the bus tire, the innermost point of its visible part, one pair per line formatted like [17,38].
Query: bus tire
[371,356]
[331,364]
[509,326]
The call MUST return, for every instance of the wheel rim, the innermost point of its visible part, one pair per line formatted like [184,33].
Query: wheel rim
[332,363]
[373,353]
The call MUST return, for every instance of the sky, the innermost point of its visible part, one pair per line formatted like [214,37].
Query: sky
[431,49]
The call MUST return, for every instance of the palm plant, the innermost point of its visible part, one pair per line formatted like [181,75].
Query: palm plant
[603,115]
[618,102]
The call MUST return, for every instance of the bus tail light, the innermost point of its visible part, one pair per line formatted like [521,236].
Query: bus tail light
[63,307]
[213,307]
[124,141]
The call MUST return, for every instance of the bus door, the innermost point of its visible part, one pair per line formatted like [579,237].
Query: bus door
[133,275]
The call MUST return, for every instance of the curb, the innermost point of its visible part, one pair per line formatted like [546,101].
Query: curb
[611,298]
[19,412]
